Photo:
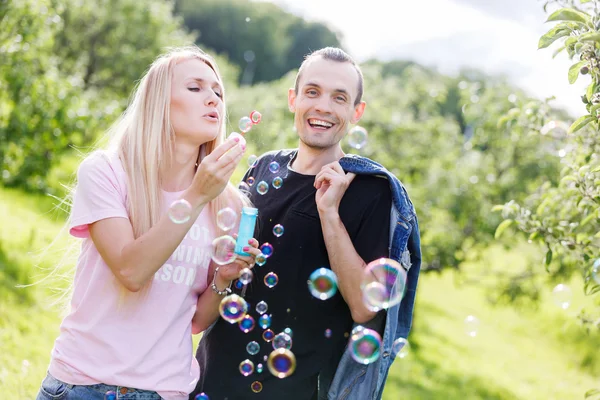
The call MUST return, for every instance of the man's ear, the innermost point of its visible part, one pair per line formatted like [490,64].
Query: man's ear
[292,100]
[359,109]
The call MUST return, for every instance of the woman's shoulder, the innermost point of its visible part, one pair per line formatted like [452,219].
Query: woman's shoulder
[102,163]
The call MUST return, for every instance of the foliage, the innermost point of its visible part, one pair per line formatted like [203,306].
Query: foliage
[67,69]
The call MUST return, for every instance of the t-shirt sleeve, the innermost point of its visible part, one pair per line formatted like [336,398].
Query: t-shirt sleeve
[373,236]
[97,195]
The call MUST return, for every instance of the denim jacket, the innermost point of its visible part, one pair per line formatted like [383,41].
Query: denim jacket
[354,381]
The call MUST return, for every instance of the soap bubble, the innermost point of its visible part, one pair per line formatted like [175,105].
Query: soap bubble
[266,249]
[246,276]
[322,283]
[246,324]
[246,367]
[226,219]
[253,348]
[261,307]
[328,333]
[277,182]
[250,180]
[471,325]
[245,124]
[110,395]
[365,345]
[180,211]
[281,363]
[357,137]
[274,166]
[401,347]
[223,250]
[252,161]
[268,335]
[282,341]
[562,295]
[278,230]
[255,117]
[260,259]
[262,187]
[264,321]
[233,308]
[271,279]
[201,396]
[256,387]
[383,284]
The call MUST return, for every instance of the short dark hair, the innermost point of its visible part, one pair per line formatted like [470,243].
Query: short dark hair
[332,54]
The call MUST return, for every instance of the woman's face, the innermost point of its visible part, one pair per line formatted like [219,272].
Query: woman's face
[197,106]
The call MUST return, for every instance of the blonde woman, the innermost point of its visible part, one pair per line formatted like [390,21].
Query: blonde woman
[144,282]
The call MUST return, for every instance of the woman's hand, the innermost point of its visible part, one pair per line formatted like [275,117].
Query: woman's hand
[216,169]
[231,271]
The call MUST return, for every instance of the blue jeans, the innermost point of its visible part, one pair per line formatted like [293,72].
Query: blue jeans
[53,389]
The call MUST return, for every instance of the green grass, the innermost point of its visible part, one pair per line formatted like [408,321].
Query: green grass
[520,353]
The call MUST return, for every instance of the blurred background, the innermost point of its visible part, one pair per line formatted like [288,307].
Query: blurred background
[462,107]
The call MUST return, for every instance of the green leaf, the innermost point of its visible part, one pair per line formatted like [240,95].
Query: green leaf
[534,236]
[590,36]
[580,123]
[498,207]
[592,392]
[594,108]
[596,169]
[548,257]
[553,34]
[540,209]
[590,92]
[584,1]
[569,14]
[574,71]
[557,51]
[502,227]
[590,217]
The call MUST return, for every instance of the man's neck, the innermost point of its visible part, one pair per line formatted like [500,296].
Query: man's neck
[309,160]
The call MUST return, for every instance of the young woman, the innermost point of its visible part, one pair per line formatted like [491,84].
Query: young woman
[144,280]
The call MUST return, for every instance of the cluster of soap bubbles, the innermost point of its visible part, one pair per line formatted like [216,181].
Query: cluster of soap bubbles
[246,123]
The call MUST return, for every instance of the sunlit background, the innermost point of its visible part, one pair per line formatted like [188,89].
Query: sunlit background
[457,92]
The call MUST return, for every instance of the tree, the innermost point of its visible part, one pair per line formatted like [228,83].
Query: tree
[67,69]
[261,38]
[564,217]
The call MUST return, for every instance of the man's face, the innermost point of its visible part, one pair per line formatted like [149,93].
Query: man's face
[324,104]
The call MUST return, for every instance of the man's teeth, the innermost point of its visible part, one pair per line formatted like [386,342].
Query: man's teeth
[320,123]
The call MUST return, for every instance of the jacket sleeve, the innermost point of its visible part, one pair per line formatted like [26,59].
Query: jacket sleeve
[407,305]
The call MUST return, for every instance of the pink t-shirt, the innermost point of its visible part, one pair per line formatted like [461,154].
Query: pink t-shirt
[146,342]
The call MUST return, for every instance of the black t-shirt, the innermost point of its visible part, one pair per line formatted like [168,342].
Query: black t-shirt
[365,211]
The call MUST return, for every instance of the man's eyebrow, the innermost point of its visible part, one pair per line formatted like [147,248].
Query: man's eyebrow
[312,84]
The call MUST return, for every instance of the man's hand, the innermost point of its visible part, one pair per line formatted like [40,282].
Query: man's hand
[331,184]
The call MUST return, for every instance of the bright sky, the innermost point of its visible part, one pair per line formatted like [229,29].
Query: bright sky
[495,36]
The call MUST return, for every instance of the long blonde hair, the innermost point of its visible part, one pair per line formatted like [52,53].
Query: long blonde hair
[144,139]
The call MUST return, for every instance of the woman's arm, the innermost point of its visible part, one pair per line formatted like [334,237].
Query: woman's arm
[207,308]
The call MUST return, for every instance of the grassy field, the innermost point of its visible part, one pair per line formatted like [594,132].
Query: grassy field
[517,353]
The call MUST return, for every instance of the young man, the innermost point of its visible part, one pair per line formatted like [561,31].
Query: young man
[338,212]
